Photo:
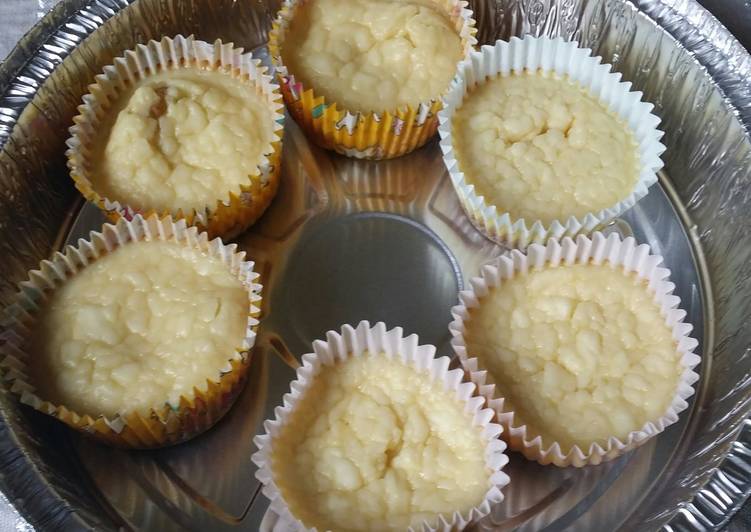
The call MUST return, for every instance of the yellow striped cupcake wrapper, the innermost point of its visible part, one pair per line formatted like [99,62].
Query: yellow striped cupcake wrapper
[159,427]
[356,134]
[240,208]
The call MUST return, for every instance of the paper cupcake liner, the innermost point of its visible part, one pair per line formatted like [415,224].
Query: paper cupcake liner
[354,342]
[171,423]
[625,254]
[565,59]
[241,207]
[363,135]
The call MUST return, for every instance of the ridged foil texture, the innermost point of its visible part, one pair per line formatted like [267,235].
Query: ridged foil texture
[683,60]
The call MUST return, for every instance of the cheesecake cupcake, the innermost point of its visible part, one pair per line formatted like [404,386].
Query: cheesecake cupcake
[366,77]
[377,434]
[139,336]
[184,128]
[579,347]
[542,141]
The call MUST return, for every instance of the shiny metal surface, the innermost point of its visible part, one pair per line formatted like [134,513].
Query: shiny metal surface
[348,240]
[735,15]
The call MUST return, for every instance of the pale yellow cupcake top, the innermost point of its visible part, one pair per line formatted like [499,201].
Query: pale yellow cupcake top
[581,352]
[182,139]
[139,327]
[375,444]
[540,147]
[372,55]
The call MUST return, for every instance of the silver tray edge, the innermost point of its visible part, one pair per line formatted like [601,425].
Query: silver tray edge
[71,21]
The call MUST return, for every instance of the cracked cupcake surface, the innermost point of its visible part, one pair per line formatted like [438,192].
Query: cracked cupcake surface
[581,352]
[372,55]
[375,444]
[140,326]
[540,147]
[183,139]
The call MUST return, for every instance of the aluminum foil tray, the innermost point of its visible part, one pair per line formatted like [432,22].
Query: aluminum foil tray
[347,240]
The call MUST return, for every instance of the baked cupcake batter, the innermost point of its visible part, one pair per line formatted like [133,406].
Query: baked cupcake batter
[374,444]
[183,139]
[139,327]
[582,352]
[542,148]
[372,55]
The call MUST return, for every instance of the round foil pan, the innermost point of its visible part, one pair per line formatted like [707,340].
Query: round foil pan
[348,240]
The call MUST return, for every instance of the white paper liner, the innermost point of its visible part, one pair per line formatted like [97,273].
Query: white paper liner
[182,420]
[354,342]
[170,54]
[625,254]
[566,59]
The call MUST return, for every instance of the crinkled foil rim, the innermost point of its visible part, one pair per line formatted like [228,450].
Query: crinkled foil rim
[685,20]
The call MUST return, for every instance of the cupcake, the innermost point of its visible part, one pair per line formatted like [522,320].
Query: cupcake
[377,434]
[139,336]
[542,141]
[365,77]
[579,347]
[182,128]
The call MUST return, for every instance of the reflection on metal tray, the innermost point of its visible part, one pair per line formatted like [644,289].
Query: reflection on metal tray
[347,240]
